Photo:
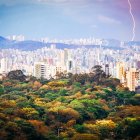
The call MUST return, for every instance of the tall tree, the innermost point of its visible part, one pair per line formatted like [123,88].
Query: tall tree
[16,75]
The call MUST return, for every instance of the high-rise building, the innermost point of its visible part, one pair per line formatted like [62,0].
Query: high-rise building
[69,66]
[62,58]
[65,55]
[40,70]
[44,70]
[120,71]
[107,69]
[53,46]
[4,65]
[131,79]
[137,80]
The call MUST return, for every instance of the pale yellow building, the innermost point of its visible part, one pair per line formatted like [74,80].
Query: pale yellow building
[120,71]
[131,79]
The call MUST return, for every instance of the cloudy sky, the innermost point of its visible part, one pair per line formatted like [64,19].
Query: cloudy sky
[66,19]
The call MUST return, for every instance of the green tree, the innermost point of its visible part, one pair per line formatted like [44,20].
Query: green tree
[16,75]
[1,89]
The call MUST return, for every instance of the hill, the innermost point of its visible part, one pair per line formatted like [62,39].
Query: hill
[22,45]
[131,43]
[29,45]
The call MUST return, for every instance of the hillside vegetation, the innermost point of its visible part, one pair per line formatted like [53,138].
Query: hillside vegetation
[72,107]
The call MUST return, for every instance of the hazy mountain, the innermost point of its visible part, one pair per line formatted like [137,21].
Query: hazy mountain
[2,38]
[112,42]
[30,45]
[5,43]
[132,43]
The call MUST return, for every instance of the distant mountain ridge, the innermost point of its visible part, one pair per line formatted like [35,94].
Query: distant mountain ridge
[22,45]
[131,43]
[30,45]
[2,38]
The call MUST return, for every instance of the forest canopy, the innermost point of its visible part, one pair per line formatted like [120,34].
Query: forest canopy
[91,106]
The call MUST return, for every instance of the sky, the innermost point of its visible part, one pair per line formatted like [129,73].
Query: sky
[69,19]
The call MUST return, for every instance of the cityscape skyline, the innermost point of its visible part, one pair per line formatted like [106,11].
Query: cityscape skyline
[47,62]
[69,69]
[65,19]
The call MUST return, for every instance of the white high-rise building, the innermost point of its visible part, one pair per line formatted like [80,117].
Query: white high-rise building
[40,70]
[4,65]
[44,70]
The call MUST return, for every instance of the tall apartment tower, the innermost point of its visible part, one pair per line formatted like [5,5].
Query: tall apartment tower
[66,55]
[131,78]
[4,65]
[40,70]
[120,71]
[107,69]
[69,66]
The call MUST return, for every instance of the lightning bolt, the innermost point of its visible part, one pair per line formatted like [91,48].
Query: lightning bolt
[133,19]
